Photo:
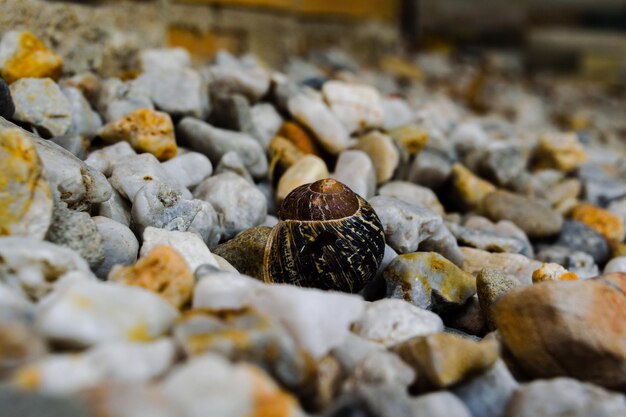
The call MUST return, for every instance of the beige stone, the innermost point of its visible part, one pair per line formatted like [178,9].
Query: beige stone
[383,153]
[309,168]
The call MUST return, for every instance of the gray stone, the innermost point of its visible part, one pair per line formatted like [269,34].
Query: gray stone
[233,112]
[246,251]
[618,208]
[372,401]
[502,162]
[488,394]
[565,397]
[503,228]
[579,237]
[409,227]
[30,404]
[491,284]
[270,196]
[430,168]
[164,59]
[229,75]
[230,162]
[413,194]
[267,121]
[73,143]
[76,230]
[214,143]
[120,245]
[396,113]
[103,159]
[581,263]
[599,187]
[488,241]
[85,121]
[118,98]
[115,208]
[239,203]
[189,169]
[50,113]
[177,91]
[439,404]
[616,265]
[7,107]
[354,168]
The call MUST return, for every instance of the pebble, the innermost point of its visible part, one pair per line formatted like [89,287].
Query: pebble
[305,170]
[297,135]
[239,204]
[233,112]
[600,220]
[413,194]
[123,361]
[409,227]
[488,240]
[564,313]
[104,159]
[163,271]
[442,360]
[31,404]
[491,285]
[246,251]
[429,281]
[85,121]
[189,169]
[231,162]
[518,266]
[282,154]
[396,113]
[552,272]
[267,121]
[230,75]
[439,404]
[86,313]
[50,114]
[503,228]
[354,168]
[214,143]
[73,143]
[599,187]
[177,91]
[145,130]
[164,59]
[117,98]
[34,267]
[616,265]
[618,208]
[189,245]
[120,245]
[358,107]
[25,196]
[372,401]
[430,168]
[468,189]
[565,396]
[580,263]
[128,399]
[20,344]
[313,113]
[502,162]
[116,208]
[23,55]
[7,107]
[535,218]
[383,153]
[76,230]
[411,137]
[392,321]
[562,151]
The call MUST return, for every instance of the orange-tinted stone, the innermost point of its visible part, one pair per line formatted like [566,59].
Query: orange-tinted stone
[553,272]
[31,59]
[296,134]
[600,220]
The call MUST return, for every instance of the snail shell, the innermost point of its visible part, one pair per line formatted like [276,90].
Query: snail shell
[327,237]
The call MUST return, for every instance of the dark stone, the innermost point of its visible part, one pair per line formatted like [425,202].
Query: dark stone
[599,187]
[246,250]
[7,108]
[372,401]
[579,237]
[14,403]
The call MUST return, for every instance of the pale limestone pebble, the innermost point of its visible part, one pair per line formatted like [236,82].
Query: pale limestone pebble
[230,162]
[396,113]
[130,174]
[383,153]
[358,107]
[115,208]
[317,320]
[413,194]
[487,240]
[231,391]
[224,265]
[34,267]
[214,143]
[188,244]
[409,227]
[504,228]
[391,321]
[239,204]
[117,98]
[23,55]
[580,263]
[86,313]
[189,169]
[85,121]
[164,59]
[120,245]
[270,221]
[313,113]
[120,361]
[354,168]
[267,121]
[103,159]
[552,272]
[13,303]
[430,168]
[177,91]
[616,265]
[158,205]
[73,143]
[25,198]
[439,404]
[305,170]
[231,75]
[469,136]
[513,264]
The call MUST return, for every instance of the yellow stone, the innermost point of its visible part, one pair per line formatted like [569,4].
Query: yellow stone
[412,137]
[561,151]
[282,154]
[145,130]
[31,59]
[269,400]
[25,198]
[401,68]
[552,272]
[470,189]
[309,168]
[600,220]
[383,153]
[163,271]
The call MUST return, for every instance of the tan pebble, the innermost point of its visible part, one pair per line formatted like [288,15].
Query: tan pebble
[309,168]
[561,151]
[269,400]
[383,153]
[470,189]
[412,137]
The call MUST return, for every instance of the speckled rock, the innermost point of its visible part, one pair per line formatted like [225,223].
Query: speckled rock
[7,107]
[533,217]
[305,170]
[23,55]
[442,360]
[355,169]
[583,320]
[146,130]
[246,250]
[562,151]
[189,169]
[25,197]
[518,266]
[358,107]
[600,220]
[85,313]
[117,98]
[413,194]
[103,159]
[50,113]
[491,285]
[487,240]
[391,321]
[429,281]
[579,237]
[383,153]
[239,203]
[120,245]
[469,189]
[187,244]
[503,228]
[85,121]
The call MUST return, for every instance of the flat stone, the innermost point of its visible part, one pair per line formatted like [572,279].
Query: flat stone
[118,98]
[491,285]
[429,281]
[487,240]
[23,55]
[7,107]
[120,245]
[413,194]
[189,169]
[230,75]
[354,168]
[85,313]
[600,220]
[164,59]
[439,404]
[518,266]
[246,251]
[214,143]
[103,159]
[188,244]
[392,321]
[146,130]
[239,203]
[50,113]
[504,229]
[305,170]
[25,196]
[85,121]
[383,153]
[469,190]
[357,106]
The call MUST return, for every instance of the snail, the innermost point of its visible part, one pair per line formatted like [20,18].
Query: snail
[327,237]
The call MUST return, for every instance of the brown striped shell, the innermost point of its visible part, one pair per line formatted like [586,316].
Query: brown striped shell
[327,237]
